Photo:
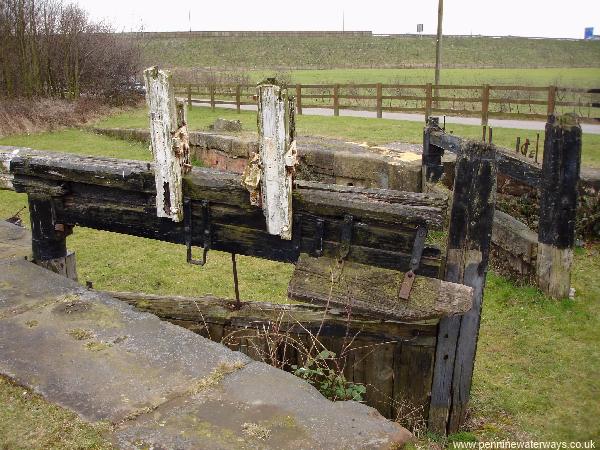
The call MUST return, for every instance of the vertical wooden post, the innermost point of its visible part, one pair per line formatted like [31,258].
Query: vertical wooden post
[379,101]
[551,100]
[336,100]
[48,238]
[299,99]
[469,239]
[212,96]
[428,100]
[431,160]
[485,105]
[168,136]
[189,96]
[277,156]
[558,205]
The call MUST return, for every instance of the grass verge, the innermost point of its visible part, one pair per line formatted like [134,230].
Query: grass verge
[356,129]
[27,421]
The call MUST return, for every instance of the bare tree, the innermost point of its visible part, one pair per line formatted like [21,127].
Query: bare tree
[49,48]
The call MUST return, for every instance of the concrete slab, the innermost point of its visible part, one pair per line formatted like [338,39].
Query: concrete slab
[262,407]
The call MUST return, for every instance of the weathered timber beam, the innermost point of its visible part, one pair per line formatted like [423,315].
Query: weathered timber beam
[118,196]
[375,291]
[469,241]
[277,156]
[383,206]
[292,318]
[169,142]
[509,164]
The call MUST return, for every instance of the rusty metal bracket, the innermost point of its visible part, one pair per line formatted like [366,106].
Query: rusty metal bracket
[206,231]
[415,260]
[346,236]
[319,228]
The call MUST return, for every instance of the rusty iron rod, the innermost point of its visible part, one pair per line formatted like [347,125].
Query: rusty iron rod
[490,136]
[236,286]
[537,147]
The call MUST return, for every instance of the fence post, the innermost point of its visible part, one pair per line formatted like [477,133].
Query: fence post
[379,101]
[336,100]
[299,99]
[212,96]
[428,100]
[558,205]
[238,104]
[485,105]
[551,100]
[189,96]
[469,239]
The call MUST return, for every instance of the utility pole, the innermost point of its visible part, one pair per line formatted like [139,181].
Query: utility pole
[343,21]
[438,45]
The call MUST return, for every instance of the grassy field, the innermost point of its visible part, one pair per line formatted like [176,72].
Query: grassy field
[27,421]
[249,53]
[571,77]
[356,129]
[537,372]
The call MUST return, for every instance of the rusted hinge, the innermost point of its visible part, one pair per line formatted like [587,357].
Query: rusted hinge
[415,260]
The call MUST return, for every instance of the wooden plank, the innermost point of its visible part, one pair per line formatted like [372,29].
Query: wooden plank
[277,156]
[469,240]
[295,318]
[168,141]
[299,99]
[369,290]
[558,205]
[514,166]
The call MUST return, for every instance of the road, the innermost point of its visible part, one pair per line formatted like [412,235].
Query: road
[494,123]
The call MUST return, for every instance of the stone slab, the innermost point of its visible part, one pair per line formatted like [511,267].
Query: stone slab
[15,241]
[262,407]
[93,354]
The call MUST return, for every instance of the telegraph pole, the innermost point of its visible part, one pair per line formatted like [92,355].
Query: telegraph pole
[438,45]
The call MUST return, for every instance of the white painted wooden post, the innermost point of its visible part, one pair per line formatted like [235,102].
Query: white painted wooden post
[277,156]
[170,146]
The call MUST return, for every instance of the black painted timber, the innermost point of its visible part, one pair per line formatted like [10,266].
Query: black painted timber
[559,183]
[119,196]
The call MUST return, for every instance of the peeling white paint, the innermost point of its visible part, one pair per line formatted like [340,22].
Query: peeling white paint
[277,159]
[168,168]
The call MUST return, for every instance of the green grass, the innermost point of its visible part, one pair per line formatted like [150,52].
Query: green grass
[27,421]
[356,129]
[537,373]
[561,76]
[81,143]
[243,53]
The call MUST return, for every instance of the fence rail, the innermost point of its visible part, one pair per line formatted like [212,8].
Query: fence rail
[485,101]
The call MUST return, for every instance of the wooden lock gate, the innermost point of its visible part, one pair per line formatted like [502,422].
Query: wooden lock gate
[378,290]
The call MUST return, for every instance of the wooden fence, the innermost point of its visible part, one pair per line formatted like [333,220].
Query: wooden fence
[484,101]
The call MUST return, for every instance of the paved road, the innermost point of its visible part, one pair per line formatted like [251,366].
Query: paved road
[495,123]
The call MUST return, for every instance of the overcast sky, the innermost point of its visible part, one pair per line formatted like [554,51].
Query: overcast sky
[549,18]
